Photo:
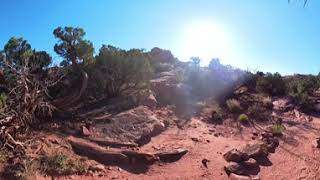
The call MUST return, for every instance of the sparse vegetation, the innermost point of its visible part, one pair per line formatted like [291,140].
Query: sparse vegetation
[272,84]
[233,105]
[61,164]
[257,111]
[33,92]
[300,87]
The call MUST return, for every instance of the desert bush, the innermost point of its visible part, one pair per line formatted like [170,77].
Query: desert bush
[299,87]
[216,116]
[233,105]
[277,129]
[272,84]
[119,71]
[243,118]
[27,79]
[213,111]
[258,112]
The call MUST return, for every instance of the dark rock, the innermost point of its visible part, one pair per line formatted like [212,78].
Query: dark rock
[316,143]
[171,156]
[205,162]
[250,167]
[255,151]
[235,168]
[235,155]
[195,139]
[271,144]
[255,134]
[267,135]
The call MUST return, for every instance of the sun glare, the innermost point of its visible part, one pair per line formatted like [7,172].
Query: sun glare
[206,40]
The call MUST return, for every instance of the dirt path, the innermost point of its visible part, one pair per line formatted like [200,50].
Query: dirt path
[295,159]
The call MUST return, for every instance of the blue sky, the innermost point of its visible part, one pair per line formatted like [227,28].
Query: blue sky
[267,35]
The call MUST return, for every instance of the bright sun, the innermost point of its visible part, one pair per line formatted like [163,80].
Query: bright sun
[206,40]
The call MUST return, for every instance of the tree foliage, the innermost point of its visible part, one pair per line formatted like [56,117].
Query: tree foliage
[19,52]
[75,50]
[119,71]
[72,47]
[161,60]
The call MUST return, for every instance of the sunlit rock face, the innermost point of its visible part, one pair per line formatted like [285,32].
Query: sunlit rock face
[136,125]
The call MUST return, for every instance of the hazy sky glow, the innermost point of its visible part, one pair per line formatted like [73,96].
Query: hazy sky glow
[267,35]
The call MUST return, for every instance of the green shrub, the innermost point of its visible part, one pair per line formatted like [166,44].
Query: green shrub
[61,164]
[243,118]
[272,84]
[233,105]
[277,129]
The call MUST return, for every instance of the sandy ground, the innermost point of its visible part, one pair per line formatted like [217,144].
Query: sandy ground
[295,159]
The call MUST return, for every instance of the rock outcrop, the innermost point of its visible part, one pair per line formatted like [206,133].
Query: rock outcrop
[137,125]
[168,91]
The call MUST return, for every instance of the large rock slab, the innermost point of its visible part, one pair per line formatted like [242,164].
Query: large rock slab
[283,104]
[169,91]
[164,86]
[137,125]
